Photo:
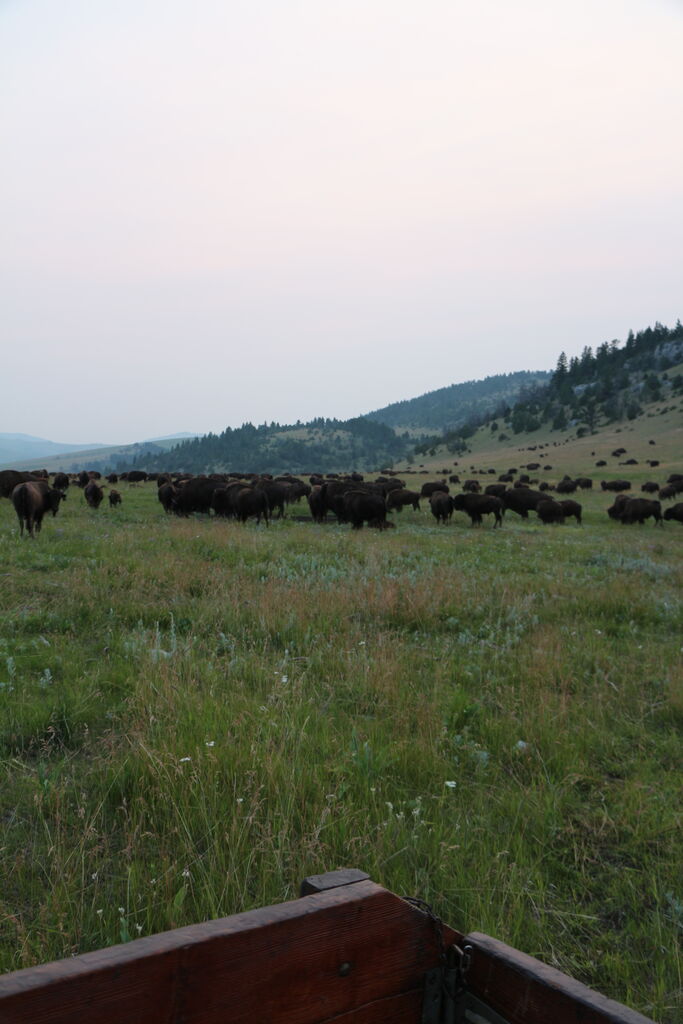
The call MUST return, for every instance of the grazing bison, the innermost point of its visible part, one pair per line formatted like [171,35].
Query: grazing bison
[615,485]
[675,512]
[93,494]
[61,482]
[549,511]
[670,491]
[365,507]
[396,500]
[522,500]
[635,510]
[136,476]
[441,505]
[566,486]
[585,483]
[572,508]
[473,486]
[114,498]
[650,487]
[478,505]
[31,501]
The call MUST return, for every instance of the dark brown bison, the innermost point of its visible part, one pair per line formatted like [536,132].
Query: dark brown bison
[113,478]
[473,486]
[316,503]
[252,501]
[650,487]
[571,508]
[429,487]
[61,482]
[441,505]
[195,496]
[114,498]
[93,494]
[522,500]
[397,499]
[550,511]
[166,495]
[498,490]
[635,510]
[136,476]
[585,483]
[668,492]
[11,478]
[31,501]
[615,485]
[566,486]
[365,507]
[478,505]
[675,512]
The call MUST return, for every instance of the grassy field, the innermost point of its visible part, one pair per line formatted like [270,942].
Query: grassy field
[194,715]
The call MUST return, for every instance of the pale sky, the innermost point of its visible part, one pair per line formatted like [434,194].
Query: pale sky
[242,210]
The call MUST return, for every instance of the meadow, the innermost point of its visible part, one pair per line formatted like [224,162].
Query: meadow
[195,714]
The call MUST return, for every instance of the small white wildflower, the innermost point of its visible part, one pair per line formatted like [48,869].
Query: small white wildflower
[122,910]
[210,743]
[152,881]
[99,913]
[361,643]
[240,799]
[185,872]
[451,783]
[284,679]
[263,707]
[183,760]
[521,745]
[139,928]
[94,876]
[373,789]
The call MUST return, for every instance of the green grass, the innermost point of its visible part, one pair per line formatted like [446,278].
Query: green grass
[194,715]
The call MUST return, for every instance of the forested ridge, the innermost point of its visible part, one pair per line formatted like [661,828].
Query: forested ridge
[273,448]
[608,385]
[448,407]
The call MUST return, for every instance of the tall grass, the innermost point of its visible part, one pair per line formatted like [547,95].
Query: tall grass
[194,715]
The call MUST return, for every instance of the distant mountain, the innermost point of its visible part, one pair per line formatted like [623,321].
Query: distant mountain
[16,447]
[449,407]
[72,458]
[180,436]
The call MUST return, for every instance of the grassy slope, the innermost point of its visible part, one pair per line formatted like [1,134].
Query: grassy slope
[568,454]
[194,715]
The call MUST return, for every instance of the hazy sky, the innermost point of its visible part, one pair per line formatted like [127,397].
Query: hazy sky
[253,210]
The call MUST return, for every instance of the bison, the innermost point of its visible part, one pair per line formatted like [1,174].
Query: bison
[31,501]
[572,508]
[114,498]
[675,512]
[429,487]
[478,505]
[549,511]
[93,494]
[396,500]
[365,507]
[251,501]
[442,506]
[522,500]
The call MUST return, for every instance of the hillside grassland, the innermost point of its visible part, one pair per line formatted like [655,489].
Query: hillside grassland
[195,714]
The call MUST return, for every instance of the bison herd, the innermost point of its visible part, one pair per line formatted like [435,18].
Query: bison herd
[350,499]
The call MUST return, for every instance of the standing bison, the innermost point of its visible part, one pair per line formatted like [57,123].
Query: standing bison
[365,507]
[93,494]
[31,501]
[478,505]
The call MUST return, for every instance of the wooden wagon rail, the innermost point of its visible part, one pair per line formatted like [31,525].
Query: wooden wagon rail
[347,951]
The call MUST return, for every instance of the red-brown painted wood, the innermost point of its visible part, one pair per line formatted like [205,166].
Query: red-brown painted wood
[278,964]
[526,991]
